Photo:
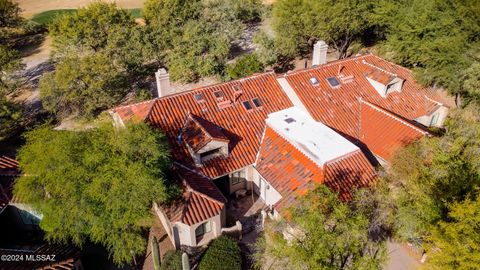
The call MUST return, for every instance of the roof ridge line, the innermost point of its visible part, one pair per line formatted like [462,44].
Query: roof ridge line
[386,112]
[338,61]
[342,157]
[379,68]
[133,104]
[199,173]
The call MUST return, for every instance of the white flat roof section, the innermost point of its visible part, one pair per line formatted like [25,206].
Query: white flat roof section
[317,141]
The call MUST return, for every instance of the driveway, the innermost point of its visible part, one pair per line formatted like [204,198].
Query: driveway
[401,257]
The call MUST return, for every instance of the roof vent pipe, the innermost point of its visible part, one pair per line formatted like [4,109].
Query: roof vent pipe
[319,53]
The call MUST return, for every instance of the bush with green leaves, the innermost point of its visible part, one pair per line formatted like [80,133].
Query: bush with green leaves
[172,260]
[243,67]
[95,185]
[223,253]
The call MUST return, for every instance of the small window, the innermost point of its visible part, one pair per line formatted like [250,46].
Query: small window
[434,120]
[219,95]
[257,102]
[198,97]
[203,229]
[314,81]
[333,82]
[247,105]
[209,153]
[237,177]
[237,88]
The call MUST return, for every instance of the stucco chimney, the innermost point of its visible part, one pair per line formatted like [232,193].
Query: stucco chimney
[163,82]
[319,53]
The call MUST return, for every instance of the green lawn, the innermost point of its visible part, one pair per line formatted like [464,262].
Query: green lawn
[49,16]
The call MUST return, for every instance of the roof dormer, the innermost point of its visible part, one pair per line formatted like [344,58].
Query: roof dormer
[383,81]
[204,140]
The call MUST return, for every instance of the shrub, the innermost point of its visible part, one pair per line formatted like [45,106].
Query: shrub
[245,66]
[172,260]
[223,253]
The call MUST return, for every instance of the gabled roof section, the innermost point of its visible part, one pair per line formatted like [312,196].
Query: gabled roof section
[348,173]
[198,132]
[292,173]
[339,108]
[243,127]
[200,201]
[136,112]
[384,132]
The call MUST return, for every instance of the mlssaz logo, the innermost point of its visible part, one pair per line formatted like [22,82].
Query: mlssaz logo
[40,258]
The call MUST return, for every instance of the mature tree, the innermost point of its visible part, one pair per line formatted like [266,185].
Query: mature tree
[9,13]
[299,23]
[456,242]
[9,63]
[266,51]
[436,38]
[89,29]
[97,184]
[10,115]
[193,38]
[427,176]
[323,233]
[245,66]
[82,86]
[471,82]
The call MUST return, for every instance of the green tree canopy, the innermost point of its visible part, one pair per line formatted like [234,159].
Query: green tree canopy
[97,184]
[439,39]
[429,175]
[323,233]
[243,67]
[9,13]
[223,253]
[456,242]
[299,23]
[89,29]
[195,37]
[82,86]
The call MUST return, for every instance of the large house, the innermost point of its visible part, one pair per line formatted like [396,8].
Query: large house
[278,136]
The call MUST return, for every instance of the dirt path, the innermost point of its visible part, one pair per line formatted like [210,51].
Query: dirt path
[32,7]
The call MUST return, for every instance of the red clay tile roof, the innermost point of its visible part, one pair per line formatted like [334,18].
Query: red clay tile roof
[200,201]
[384,132]
[348,173]
[198,132]
[136,112]
[242,127]
[292,173]
[8,166]
[339,108]
[8,171]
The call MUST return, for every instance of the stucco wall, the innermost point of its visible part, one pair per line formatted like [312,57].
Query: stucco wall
[186,234]
[166,223]
[266,191]
[442,113]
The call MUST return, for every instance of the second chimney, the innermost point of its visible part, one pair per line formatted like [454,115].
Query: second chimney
[319,53]
[163,82]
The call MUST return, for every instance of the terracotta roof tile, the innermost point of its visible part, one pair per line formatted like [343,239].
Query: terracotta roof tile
[198,132]
[8,171]
[384,132]
[339,108]
[137,112]
[8,166]
[242,127]
[292,173]
[200,200]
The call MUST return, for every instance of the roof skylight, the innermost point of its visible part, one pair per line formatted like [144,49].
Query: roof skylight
[333,82]
[218,94]
[247,105]
[313,80]
[199,97]
[257,102]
